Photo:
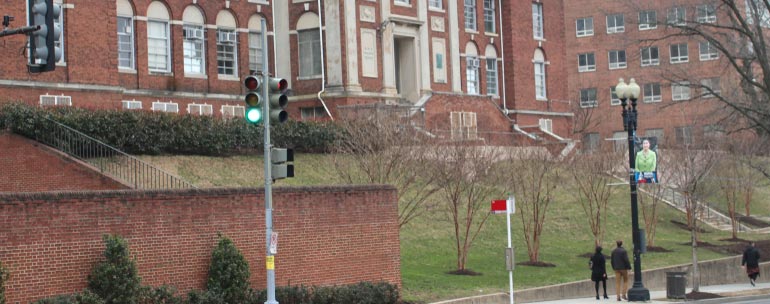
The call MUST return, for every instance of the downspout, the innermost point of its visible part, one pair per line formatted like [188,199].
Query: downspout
[323,60]
[502,51]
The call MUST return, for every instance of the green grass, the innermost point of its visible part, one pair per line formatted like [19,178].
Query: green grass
[427,243]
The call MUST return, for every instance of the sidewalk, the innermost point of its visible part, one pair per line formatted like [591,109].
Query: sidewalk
[659,296]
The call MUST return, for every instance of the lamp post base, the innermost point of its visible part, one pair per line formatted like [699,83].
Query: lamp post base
[638,294]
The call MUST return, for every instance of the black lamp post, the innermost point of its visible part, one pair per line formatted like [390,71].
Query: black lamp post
[631,91]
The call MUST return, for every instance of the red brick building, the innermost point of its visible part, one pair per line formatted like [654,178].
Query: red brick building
[463,67]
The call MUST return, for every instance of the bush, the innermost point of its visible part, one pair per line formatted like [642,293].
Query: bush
[85,297]
[116,280]
[160,295]
[144,132]
[229,273]
[4,275]
[361,293]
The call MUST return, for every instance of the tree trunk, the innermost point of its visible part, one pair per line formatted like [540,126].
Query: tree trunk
[695,272]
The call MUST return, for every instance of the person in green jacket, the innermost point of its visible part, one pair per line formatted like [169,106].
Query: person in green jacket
[646,160]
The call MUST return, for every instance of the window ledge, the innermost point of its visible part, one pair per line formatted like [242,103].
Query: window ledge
[228,77]
[679,62]
[198,76]
[127,71]
[396,3]
[618,68]
[584,35]
[159,73]
[539,39]
[472,32]
[61,64]
[491,34]
[309,77]
[587,71]
[438,10]
[541,98]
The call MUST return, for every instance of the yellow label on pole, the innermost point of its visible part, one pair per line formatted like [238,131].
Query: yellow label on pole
[270,262]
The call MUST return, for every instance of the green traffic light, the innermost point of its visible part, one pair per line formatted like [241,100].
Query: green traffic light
[253,115]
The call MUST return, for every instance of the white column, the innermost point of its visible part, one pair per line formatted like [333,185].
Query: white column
[423,45]
[351,45]
[388,62]
[281,40]
[333,46]
[454,45]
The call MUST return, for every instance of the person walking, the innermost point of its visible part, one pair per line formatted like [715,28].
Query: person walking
[598,266]
[621,266]
[751,262]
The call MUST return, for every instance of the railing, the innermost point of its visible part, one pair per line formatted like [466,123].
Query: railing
[110,161]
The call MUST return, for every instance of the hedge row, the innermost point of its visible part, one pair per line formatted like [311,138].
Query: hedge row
[144,132]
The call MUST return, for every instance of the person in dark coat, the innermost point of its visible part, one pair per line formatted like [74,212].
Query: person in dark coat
[621,265]
[751,262]
[599,271]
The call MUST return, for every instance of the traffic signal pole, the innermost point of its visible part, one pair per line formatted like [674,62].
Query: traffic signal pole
[270,257]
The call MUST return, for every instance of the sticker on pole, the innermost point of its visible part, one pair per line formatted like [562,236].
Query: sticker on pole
[270,261]
[273,243]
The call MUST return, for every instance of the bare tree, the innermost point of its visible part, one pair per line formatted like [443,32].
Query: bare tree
[466,175]
[656,192]
[379,150]
[533,175]
[591,175]
[729,180]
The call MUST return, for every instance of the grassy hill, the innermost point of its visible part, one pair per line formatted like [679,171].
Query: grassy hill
[427,243]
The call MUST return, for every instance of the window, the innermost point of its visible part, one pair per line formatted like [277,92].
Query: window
[435,4]
[651,93]
[706,13]
[126,42]
[227,56]
[255,52]
[199,109]
[591,142]
[158,38]
[312,113]
[309,42]
[158,52]
[492,76]
[463,125]
[713,131]
[617,59]
[648,20]
[588,98]
[657,133]
[489,16]
[679,53]
[132,105]
[233,111]
[615,24]
[439,64]
[757,9]
[586,62]
[50,100]
[193,50]
[537,20]
[472,74]
[170,107]
[545,124]
[406,2]
[650,56]
[707,51]
[680,91]
[614,99]
[676,16]
[683,135]
[585,27]
[620,138]
[470,15]
[710,87]
[540,77]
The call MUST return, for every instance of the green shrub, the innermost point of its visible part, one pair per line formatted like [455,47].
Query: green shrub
[85,297]
[160,295]
[116,280]
[361,293]
[229,273]
[4,275]
[144,132]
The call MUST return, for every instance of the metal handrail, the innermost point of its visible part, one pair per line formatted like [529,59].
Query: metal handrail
[110,161]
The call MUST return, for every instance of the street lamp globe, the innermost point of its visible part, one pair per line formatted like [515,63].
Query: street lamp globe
[621,88]
[632,90]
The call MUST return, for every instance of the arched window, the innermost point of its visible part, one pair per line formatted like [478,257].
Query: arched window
[227,44]
[158,38]
[472,68]
[539,62]
[125,35]
[309,42]
[255,43]
[194,49]
[491,54]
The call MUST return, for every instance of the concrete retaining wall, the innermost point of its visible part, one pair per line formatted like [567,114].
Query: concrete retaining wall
[715,272]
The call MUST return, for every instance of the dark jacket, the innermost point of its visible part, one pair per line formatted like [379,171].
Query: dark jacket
[598,268]
[751,257]
[620,259]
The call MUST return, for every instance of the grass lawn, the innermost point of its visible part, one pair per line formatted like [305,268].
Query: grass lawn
[427,243]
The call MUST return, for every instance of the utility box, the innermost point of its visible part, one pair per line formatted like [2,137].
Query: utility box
[676,284]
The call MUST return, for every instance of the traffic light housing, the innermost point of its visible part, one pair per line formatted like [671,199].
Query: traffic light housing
[282,163]
[253,99]
[278,100]
[43,51]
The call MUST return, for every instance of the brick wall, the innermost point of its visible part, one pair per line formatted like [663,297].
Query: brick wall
[327,235]
[28,166]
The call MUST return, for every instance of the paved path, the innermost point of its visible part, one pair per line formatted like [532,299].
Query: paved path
[730,290]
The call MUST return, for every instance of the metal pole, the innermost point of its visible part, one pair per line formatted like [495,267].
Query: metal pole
[508,208]
[269,258]
[637,292]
